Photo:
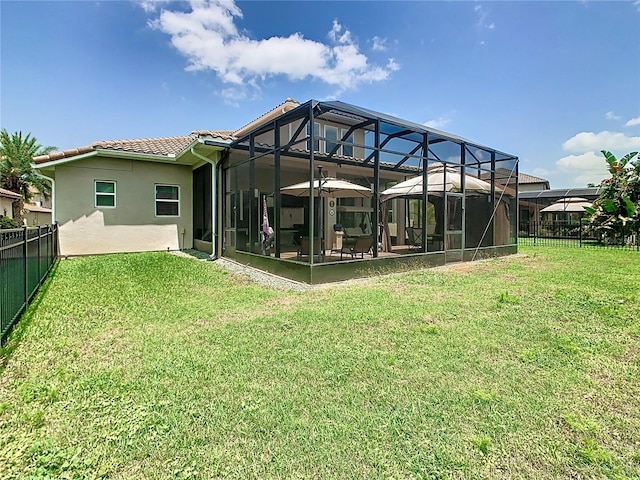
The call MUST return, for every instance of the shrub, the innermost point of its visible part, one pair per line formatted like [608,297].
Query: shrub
[6,223]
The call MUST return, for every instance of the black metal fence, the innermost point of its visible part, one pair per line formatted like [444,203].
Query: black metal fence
[571,234]
[26,258]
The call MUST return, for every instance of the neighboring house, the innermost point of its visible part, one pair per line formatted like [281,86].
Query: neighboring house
[38,198]
[529,183]
[526,182]
[211,190]
[7,198]
[35,215]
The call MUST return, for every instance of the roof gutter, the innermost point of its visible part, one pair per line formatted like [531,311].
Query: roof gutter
[107,153]
[214,197]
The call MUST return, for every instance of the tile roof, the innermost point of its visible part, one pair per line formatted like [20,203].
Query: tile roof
[164,146]
[36,208]
[504,173]
[285,106]
[526,178]
[9,194]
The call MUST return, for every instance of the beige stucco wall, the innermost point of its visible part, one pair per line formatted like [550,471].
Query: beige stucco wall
[132,225]
[37,218]
[6,209]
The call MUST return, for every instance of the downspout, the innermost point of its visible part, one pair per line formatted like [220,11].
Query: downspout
[214,197]
[53,197]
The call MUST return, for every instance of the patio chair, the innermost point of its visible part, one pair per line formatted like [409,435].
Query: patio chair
[414,237]
[363,245]
[304,250]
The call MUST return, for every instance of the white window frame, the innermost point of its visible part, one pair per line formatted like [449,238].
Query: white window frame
[96,194]
[165,200]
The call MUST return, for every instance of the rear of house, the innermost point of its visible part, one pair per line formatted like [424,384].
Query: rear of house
[214,190]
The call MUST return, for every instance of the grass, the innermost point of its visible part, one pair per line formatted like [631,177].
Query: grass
[156,366]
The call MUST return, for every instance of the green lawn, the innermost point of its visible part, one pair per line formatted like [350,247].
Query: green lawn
[157,366]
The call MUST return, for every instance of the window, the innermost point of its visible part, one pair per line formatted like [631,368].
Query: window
[347,150]
[105,194]
[316,134]
[331,135]
[167,201]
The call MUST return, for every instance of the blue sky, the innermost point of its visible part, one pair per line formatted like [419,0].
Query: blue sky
[552,82]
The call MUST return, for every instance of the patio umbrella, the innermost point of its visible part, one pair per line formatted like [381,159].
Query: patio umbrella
[330,187]
[570,204]
[436,183]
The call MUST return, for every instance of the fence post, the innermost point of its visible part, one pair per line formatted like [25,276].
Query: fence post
[49,244]
[25,266]
[56,245]
[39,257]
[535,233]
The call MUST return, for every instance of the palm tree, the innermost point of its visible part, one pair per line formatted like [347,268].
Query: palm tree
[16,168]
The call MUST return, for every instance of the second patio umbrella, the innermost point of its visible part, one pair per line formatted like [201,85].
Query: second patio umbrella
[439,179]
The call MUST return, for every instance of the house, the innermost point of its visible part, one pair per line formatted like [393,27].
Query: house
[7,198]
[528,183]
[35,215]
[524,181]
[221,191]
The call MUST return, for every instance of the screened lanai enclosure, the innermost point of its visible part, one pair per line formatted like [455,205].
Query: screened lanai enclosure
[330,191]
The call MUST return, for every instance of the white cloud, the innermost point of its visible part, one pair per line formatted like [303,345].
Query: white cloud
[482,21]
[151,5]
[232,96]
[612,116]
[589,141]
[379,44]
[392,65]
[209,38]
[583,169]
[439,122]
[338,34]
[634,121]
